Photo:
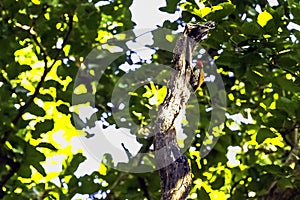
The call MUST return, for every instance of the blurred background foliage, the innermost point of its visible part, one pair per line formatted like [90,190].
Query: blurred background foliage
[256,49]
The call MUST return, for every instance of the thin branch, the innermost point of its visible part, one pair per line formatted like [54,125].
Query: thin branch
[121,176]
[14,166]
[6,81]
[65,40]
[288,70]
[39,44]
[144,187]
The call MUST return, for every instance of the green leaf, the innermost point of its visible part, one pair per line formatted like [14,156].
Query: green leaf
[279,119]
[288,84]
[72,166]
[296,11]
[272,169]
[228,59]
[221,10]
[252,29]
[65,96]
[63,109]
[88,186]
[33,157]
[285,183]
[47,145]
[219,182]
[73,185]
[171,6]
[63,71]
[202,194]
[252,59]
[263,134]
[286,105]
[42,127]
[14,69]
[36,110]
[24,171]
[45,97]
[52,83]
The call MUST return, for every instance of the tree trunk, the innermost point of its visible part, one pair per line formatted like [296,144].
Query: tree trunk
[175,173]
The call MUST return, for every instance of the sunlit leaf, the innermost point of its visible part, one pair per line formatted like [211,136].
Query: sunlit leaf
[263,18]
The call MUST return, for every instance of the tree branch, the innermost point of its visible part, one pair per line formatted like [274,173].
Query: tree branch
[14,166]
[175,173]
[144,187]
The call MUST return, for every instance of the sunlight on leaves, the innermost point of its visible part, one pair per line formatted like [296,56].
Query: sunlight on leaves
[263,18]
[155,95]
[80,89]
[36,2]
[103,169]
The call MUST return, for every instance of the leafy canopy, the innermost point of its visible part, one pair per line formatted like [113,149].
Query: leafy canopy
[42,45]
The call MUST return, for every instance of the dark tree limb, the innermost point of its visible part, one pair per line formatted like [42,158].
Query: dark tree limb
[13,167]
[175,173]
[144,188]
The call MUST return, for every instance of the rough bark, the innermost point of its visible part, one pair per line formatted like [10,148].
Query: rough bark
[175,173]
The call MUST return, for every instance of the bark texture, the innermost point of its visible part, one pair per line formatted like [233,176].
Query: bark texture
[175,173]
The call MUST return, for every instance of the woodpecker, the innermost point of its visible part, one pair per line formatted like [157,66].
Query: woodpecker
[197,76]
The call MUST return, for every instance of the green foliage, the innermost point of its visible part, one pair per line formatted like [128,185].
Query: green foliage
[260,51]
[263,134]
[70,167]
[42,45]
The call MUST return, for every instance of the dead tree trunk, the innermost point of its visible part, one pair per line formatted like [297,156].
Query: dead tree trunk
[175,173]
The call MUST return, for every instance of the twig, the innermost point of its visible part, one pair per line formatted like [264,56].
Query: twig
[144,187]
[14,166]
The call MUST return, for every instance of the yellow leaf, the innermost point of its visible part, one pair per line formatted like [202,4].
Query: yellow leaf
[47,16]
[263,18]
[205,11]
[162,93]
[80,89]
[218,7]
[36,2]
[170,38]
[102,169]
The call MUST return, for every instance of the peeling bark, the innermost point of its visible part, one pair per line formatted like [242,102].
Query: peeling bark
[175,173]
